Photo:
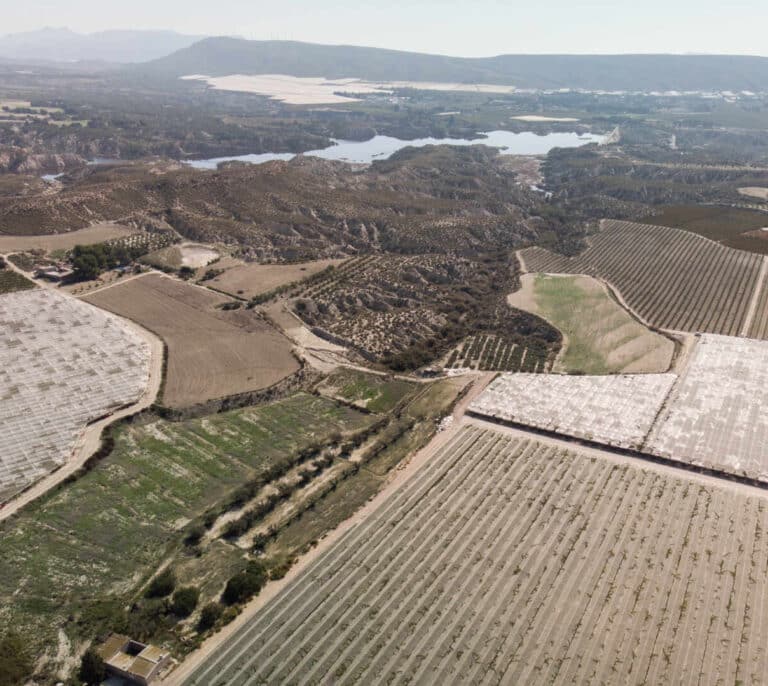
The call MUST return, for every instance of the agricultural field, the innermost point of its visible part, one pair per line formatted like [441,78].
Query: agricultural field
[599,336]
[673,279]
[487,352]
[212,352]
[96,233]
[73,559]
[732,226]
[11,281]
[408,311]
[63,364]
[711,415]
[758,327]
[370,392]
[643,578]
[715,415]
[250,280]
[616,410]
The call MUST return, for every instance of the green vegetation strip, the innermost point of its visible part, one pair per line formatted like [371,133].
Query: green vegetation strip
[102,536]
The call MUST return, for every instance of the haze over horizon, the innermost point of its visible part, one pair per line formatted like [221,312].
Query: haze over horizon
[488,28]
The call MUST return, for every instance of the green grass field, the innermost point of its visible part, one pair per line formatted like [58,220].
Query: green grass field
[375,393]
[601,336]
[102,536]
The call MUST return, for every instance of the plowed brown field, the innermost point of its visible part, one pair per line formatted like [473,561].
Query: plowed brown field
[211,353]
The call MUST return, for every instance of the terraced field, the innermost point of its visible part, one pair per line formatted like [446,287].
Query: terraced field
[411,310]
[506,560]
[673,279]
[76,556]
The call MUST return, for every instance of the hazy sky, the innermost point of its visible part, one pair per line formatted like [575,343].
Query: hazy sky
[481,27]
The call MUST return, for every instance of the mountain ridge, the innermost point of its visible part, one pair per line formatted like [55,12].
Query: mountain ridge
[219,56]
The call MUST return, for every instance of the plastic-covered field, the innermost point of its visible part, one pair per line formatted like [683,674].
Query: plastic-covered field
[712,415]
[507,561]
[717,413]
[63,364]
[614,410]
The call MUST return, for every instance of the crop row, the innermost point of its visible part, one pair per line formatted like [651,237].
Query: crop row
[507,561]
[674,279]
[496,353]
[759,325]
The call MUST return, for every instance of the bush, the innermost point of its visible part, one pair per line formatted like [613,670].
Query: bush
[92,668]
[184,601]
[246,584]
[194,535]
[209,616]
[162,585]
[15,663]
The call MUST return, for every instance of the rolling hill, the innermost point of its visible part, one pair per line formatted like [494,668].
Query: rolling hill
[224,56]
[63,45]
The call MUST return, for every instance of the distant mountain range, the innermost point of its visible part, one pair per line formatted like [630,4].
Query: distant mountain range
[167,54]
[63,45]
[224,56]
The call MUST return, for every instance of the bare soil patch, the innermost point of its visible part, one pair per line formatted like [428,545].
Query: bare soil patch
[212,353]
[249,280]
[755,192]
[95,233]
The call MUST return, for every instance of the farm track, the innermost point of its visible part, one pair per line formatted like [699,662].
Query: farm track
[674,279]
[508,559]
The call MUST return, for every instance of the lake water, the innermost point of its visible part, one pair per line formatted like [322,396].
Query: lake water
[382,147]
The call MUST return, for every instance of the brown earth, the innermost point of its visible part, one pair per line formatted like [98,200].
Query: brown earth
[96,233]
[212,353]
[248,280]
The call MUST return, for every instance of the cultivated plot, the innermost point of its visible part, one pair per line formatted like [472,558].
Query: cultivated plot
[600,336]
[96,233]
[249,280]
[716,414]
[63,363]
[212,353]
[506,561]
[674,279]
[614,410]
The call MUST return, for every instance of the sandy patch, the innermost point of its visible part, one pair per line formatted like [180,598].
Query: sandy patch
[755,192]
[539,118]
[294,90]
[197,256]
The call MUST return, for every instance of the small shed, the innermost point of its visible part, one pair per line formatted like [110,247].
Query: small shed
[131,660]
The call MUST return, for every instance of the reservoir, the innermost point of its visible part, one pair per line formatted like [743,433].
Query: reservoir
[382,147]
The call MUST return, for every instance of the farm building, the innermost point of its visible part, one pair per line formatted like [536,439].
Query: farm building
[136,662]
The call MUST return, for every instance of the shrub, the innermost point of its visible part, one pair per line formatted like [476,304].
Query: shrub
[162,585]
[92,668]
[184,601]
[194,535]
[15,663]
[246,584]
[209,616]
